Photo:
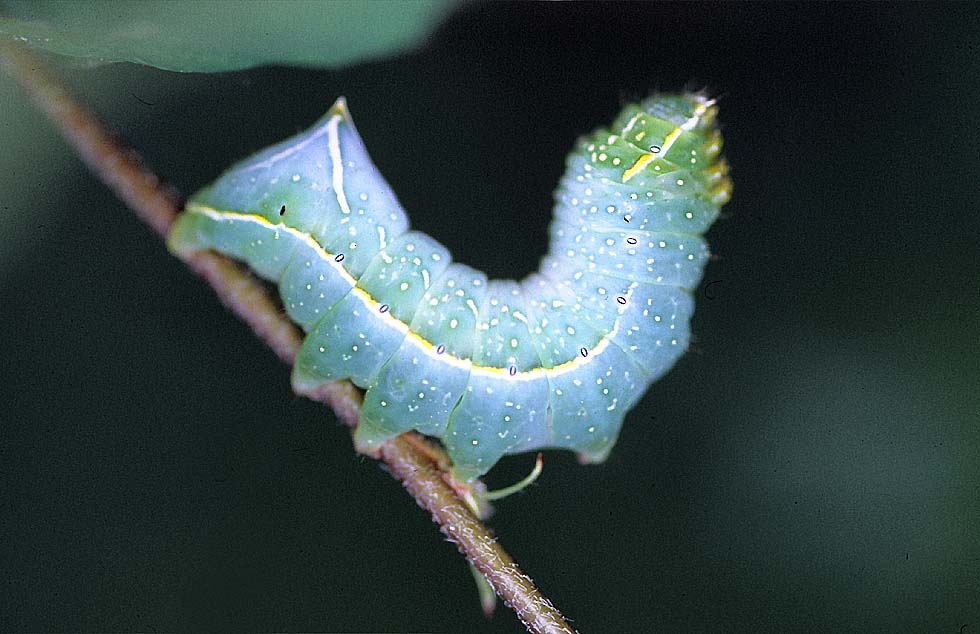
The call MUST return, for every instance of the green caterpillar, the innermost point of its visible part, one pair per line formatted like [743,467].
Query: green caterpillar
[489,367]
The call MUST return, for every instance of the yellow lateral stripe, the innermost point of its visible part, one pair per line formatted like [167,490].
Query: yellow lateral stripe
[371,304]
[262,221]
[635,168]
[688,125]
[669,140]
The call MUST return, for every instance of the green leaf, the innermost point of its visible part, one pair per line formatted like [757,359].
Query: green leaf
[209,36]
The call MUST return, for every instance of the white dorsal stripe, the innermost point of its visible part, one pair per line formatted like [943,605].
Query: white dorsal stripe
[336,164]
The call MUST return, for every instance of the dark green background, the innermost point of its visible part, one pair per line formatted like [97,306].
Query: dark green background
[812,465]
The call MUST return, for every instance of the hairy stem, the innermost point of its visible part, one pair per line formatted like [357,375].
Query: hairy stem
[122,170]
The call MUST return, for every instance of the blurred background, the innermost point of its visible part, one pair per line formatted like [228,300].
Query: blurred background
[811,465]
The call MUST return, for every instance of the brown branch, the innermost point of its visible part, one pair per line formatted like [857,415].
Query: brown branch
[122,170]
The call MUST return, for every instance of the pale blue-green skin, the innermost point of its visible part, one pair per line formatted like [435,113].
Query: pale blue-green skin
[489,367]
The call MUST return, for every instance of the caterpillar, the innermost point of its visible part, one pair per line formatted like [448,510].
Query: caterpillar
[490,367]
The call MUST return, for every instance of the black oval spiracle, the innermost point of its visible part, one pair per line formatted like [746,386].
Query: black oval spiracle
[513,370]
[621,300]
[339,257]
[384,308]
[655,149]
[584,352]
[630,240]
[440,349]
